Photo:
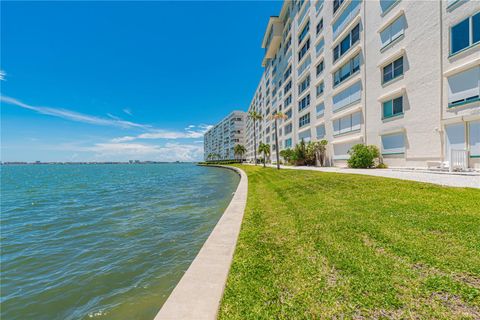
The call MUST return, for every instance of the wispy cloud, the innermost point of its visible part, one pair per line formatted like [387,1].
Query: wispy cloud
[127,111]
[191,132]
[168,152]
[3,74]
[76,116]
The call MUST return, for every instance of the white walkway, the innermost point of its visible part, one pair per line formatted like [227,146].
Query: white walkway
[198,294]
[441,178]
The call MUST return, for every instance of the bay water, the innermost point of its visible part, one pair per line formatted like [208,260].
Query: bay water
[102,241]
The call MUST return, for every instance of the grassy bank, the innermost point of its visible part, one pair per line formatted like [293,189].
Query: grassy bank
[326,245]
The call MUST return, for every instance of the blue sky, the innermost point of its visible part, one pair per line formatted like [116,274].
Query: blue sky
[100,81]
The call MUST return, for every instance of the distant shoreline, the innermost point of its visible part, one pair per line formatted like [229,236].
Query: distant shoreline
[9,163]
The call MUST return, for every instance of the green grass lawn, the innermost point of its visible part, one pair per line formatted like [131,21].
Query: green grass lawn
[325,245]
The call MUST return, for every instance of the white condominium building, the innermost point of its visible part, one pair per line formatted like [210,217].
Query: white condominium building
[401,75]
[220,140]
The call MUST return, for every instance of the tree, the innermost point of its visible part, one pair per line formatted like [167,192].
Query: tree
[316,152]
[362,156]
[254,115]
[287,154]
[239,150]
[277,116]
[322,151]
[265,149]
[300,153]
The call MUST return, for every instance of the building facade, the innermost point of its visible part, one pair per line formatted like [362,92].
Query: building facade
[220,140]
[401,75]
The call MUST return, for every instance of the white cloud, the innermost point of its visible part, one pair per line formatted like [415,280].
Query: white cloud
[191,132]
[3,74]
[127,111]
[76,116]
[129,151]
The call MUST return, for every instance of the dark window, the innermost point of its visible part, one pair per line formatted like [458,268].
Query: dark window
[304,32]
[346,43]
[476,27]
[461,36]
[336,5]
[393,70]
[319,26]
[320,67]
[304,50]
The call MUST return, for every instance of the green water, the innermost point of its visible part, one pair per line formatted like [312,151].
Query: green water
[102,241]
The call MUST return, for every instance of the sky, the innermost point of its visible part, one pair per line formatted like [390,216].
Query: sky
[118,81]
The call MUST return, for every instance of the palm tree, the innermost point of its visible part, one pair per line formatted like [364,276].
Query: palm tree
[265,149]
[277,116]
[239,150]
[254,115]
[321,149]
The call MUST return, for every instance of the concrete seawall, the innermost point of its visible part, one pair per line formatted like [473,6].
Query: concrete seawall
[199,292]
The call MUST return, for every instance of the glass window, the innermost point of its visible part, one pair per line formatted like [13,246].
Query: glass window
[304,50]
[304,32]
[392,107]
[464,87]
[347,124]
[474,138]
[347,97]
[393,70]
[398,105]
[393,143]
[304,120]
[288,128]
[320,67]
[465,33]
[346,43]
[305,135]
[398,67]
[304,103]
[320,89]
[319,26]
[288,114]
[476,28]
[320,108]
[347,70]
[336,5]
[288,100]
[320,131]
[352,9]
[386,4]
[304,85]
[393,31]
[288,143]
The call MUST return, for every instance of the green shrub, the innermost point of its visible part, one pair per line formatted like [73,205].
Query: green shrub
[362,156]
[381,165]
[300,153]
[287,155]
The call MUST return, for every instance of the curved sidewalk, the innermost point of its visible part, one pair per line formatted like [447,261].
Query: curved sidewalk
[199,292]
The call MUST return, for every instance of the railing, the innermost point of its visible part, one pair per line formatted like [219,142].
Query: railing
[319,5]
[319,47]
[346,18]
[304,13]
[458,160]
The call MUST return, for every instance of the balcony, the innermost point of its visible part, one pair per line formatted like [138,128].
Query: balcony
[346,17]
[272,39]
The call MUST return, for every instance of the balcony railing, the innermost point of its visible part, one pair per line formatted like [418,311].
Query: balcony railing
[458,160]
[304,13]
[347,16]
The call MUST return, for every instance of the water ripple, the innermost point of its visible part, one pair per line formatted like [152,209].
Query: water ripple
[102,241]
